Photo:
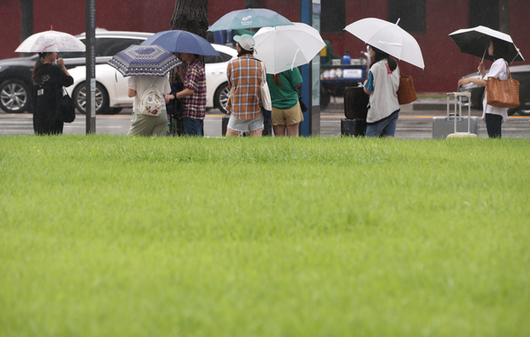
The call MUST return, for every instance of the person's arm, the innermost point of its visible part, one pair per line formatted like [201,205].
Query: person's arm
[131,86]
[368,85]
[184,93]
[477,81]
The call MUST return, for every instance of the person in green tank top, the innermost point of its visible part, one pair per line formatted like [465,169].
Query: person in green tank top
[286,112]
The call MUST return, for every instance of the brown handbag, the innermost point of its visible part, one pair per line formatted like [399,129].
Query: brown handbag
[503,94]
[406,92]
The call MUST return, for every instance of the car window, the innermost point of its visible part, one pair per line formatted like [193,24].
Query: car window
[223,57]
[111,46]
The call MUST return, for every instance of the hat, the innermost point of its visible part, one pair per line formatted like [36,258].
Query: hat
[245,41]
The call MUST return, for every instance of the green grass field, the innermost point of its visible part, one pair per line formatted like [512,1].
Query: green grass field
[121,236]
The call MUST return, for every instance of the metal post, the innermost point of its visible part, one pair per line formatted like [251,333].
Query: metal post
[90,88]
[310,14]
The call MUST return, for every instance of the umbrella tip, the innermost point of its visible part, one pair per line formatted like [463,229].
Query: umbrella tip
[51,27]
[397,22]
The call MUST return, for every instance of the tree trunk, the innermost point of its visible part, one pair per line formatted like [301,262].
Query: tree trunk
[26,19]
[191,16]
[504,16]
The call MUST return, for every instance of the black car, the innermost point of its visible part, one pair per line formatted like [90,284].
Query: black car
[519,73]
[15,73]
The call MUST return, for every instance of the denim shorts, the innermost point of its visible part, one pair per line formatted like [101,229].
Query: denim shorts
[244,125]
[384,127]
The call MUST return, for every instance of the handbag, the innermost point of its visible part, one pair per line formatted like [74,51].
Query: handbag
[503,94]
[265,94]
[66,107]
[406,92]
[303,107]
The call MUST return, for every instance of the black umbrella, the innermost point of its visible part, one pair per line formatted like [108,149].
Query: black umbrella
[475,41]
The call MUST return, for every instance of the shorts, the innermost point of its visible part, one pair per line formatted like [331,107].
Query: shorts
[286,117]
[244,125]
[384,127]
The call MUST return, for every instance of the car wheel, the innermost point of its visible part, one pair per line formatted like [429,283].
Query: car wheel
[15,96]
[221,97]
[102,99]
[524,109]
[512,112]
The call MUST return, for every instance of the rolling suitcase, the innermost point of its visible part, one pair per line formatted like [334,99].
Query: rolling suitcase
[454,125]
[353,127]
[355,103]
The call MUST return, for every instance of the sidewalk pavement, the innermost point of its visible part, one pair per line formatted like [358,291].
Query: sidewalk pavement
[425,102]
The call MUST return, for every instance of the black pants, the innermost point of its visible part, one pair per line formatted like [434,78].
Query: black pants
[493,125]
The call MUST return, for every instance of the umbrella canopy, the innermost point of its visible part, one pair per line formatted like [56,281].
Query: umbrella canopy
[181,41]
[286,47]
[475,41]
[144,61]
[49,42]
[249,18]
[389,38]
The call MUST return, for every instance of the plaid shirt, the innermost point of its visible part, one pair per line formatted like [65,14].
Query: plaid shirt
[245,77]
[195,104]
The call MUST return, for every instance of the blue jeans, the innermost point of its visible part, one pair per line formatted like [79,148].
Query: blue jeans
[192,126]
[384,127]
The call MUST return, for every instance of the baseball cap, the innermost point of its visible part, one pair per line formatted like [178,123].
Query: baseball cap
[245,41]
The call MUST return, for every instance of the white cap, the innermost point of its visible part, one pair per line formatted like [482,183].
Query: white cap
[245,41]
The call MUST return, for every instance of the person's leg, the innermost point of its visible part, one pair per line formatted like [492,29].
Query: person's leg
[140,125]
[292,130]
[256,126]
[256,133]
[390,128]
[293,117]
[160,129]
[192,127]
[494,125]
[279,130]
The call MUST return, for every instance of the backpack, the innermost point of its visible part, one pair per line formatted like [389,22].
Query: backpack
[152,102]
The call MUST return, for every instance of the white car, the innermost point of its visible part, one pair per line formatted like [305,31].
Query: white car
[111,86]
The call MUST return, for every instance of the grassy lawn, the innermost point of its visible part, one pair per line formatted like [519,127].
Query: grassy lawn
[121,236]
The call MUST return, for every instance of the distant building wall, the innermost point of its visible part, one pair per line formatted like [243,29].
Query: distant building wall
[444,64]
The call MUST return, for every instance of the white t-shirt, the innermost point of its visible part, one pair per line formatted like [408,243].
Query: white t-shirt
[142,83]
[497,70]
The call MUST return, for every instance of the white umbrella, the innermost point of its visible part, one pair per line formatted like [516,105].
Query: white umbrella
[50,41]
[389,38]
[285,47]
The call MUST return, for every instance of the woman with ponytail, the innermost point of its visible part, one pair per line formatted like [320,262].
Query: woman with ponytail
[48,81]
[382,86]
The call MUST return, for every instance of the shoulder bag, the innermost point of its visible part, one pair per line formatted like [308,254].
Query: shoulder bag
[266,102]
[406,92]
[503,94]
[66,107]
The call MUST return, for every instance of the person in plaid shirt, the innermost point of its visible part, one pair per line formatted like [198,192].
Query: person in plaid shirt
[193,96]
[245,77]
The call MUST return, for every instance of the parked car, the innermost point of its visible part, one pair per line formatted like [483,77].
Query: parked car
[15,74]
[111,85]
[520,73]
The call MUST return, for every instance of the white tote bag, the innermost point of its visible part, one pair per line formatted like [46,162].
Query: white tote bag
[265,93]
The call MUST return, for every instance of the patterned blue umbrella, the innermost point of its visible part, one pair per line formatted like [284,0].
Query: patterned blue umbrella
[144,61]
[181,41]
